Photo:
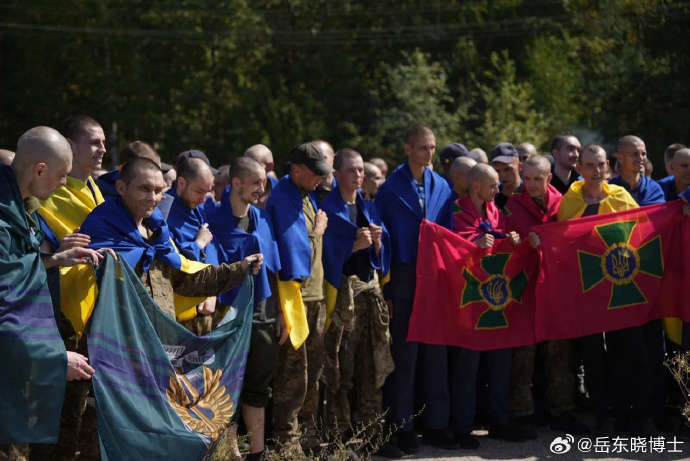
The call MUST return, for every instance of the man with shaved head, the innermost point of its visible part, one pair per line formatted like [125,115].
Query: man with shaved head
[631,158]
[240,228]
[65,210]
[459,169]
[478,155]
[263,155]
[220,182]
[32,388]
[538,203]
[478,220]
[625,350]
[373,178]
[412,193]
[381,163]
[189,229]
[679,182]
[525,149]
[6,157]
[329,183]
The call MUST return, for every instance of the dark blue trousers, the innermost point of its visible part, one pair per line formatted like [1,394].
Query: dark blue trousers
[399,390]
[464,365]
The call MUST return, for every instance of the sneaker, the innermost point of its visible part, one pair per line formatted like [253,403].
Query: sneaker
[407,442]
[606,427]
[440,439]
[523,426]
[567,423]
[506,432]
[467,441]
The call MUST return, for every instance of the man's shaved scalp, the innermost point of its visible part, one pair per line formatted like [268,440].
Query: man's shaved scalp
[682,154]
[241,167]
[139,149]
[462,165]
[481,171]
[590,149]
[628,140]
[6,157]
[370,169]
[342,155]
[417,131]
[194,168]
[671,151]
[538,161]
[76,125]
[260,153]
[379,162]
[136,167]
[41,144]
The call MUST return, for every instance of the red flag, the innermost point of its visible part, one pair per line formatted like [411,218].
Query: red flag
[611,271]
[472,298]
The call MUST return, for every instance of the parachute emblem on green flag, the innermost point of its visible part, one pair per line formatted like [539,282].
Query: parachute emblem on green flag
[621,263]
[497,291]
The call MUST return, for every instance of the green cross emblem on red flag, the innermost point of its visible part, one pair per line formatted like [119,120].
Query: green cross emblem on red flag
[495,290]
[621,263]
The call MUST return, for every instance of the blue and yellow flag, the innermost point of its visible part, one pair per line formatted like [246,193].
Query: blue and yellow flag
[339,239]
[110,226]
[184,223]
[231,244]
[162,392]
[32,379]
[290,229]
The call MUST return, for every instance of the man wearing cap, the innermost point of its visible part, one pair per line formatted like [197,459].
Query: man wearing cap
[413,193]
[299,226]
[450,153]
[506,162]
[565,150]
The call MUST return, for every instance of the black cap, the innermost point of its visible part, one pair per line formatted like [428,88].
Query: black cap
[453,151]
[307,154]
[504,153]
[186,155]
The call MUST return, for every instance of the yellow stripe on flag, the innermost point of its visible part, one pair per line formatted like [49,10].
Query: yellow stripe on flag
[294,311]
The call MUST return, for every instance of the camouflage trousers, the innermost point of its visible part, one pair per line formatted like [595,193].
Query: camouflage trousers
[560,386]
[356,369]
[14,452]
[296,384]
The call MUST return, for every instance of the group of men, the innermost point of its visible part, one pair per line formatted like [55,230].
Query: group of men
[333,247]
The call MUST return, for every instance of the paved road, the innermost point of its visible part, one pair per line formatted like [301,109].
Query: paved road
[539,449]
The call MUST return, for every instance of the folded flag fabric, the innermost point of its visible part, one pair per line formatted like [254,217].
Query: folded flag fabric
[32,379]
[470,297]
[611,271]
[162,392]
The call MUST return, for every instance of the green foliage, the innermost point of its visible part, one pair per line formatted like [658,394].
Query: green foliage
[221,76]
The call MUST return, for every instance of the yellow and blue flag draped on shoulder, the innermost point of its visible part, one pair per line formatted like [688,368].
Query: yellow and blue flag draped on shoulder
[573,203]
[231,244]
[32,379]
[290,229]
[339,239]
[68,207]
[184,224]
[111,226]
[161,392]
[398,204]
